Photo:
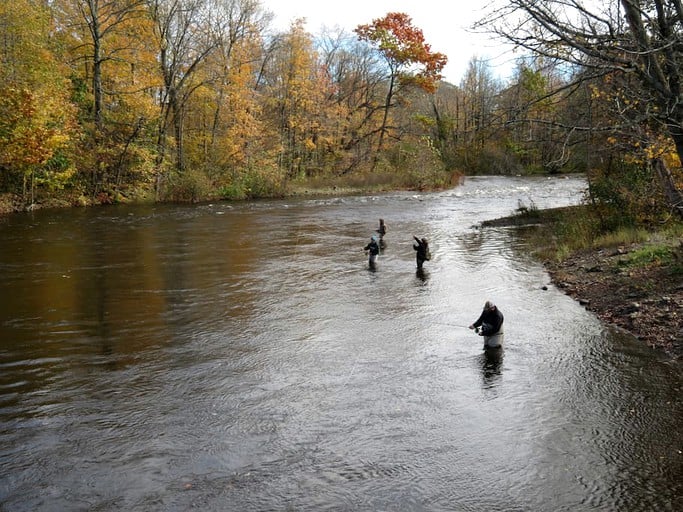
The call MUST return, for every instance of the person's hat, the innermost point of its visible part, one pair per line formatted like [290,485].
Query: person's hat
[373,237]
[424,240]
[489,305]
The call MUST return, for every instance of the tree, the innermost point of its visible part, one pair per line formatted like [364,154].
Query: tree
[111,38]
[103,18]
[531,116]
[357,75]
[479,93]
[640,38]
[184,39]
[410,61]
[299,95]
[224,115]
[37,120]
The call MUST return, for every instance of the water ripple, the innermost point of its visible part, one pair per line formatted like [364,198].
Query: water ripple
[245,356]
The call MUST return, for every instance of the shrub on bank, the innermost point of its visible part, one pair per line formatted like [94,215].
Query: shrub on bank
[561,232]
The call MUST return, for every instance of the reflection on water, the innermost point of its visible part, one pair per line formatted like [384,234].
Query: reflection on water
[422,274]
[245,356]
[491,366]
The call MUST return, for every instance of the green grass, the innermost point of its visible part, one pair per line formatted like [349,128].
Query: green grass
[564,231]
[622,236]
[660,255]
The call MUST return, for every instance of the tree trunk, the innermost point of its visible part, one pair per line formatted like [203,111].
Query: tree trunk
[178,130]
[673,194]
[385,117]
[97,93]
[676,132]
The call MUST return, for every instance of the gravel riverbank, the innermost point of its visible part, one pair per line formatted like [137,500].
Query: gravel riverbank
[646,301]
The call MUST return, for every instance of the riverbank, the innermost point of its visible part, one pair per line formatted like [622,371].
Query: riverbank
[10,203]
[636,286]
[347,185]
[647,300]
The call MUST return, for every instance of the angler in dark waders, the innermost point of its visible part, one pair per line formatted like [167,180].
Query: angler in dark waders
[490,326]
[422,253]
[372,249]
[382,230]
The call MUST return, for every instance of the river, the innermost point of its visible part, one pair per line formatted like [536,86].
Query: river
[244,357]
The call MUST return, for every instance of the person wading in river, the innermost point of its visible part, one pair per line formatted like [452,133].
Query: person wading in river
[382,229]
[422,253]
[491,323]
[373,250]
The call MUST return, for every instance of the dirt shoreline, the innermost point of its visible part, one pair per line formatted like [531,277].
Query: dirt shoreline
[646,301]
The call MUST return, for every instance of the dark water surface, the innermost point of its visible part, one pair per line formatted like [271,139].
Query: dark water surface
[243,357]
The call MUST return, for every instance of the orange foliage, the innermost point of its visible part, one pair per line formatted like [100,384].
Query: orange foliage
[404,47]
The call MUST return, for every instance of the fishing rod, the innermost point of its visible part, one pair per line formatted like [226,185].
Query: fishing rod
[453,325]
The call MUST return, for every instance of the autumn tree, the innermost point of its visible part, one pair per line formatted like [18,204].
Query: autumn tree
[232,142]
[37,119]
[357,76]
[109,41]
[236,119]
[237,130]
[184,38]
[640,38]
[409,59]
[299,93]
[102,19]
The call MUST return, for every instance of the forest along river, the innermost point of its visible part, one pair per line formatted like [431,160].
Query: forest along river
[244,357]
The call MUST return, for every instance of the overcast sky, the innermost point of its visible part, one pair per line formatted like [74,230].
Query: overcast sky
[445,25]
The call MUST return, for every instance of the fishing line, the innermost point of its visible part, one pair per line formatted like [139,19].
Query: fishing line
[452,325]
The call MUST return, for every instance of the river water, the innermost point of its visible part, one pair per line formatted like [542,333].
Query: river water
[243,356]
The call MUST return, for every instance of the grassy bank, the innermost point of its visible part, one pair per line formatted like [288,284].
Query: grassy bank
[558,233]
[630,277]
[195,188]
